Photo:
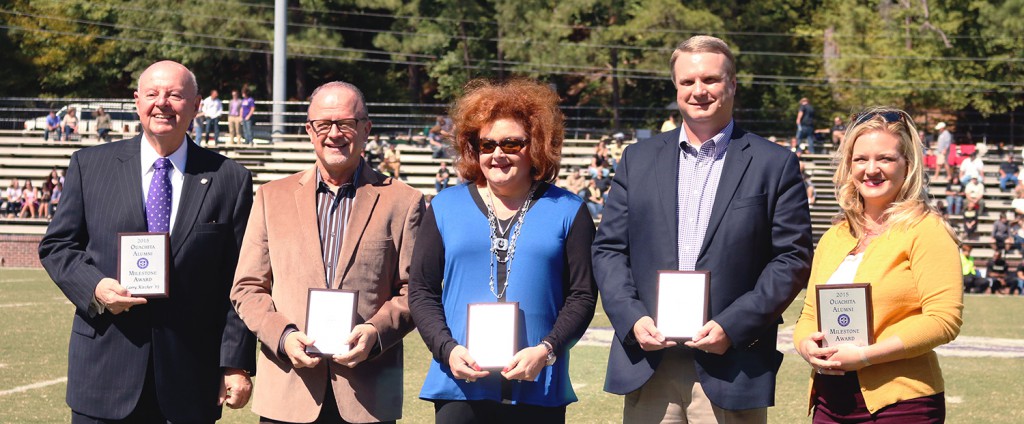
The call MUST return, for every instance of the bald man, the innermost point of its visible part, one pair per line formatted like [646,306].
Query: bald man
[174,359]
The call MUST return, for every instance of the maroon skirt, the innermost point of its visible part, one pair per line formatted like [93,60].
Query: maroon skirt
[838,399]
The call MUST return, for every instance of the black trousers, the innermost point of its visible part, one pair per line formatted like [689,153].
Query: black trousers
[147,410]
[488,412]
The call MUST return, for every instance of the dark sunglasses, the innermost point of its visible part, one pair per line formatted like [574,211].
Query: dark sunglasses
[889,117]
[509,145]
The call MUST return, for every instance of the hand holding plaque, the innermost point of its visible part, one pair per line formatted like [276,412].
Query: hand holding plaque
[142,266]
[844,314]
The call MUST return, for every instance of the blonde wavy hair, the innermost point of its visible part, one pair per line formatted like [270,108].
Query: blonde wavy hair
[911,203]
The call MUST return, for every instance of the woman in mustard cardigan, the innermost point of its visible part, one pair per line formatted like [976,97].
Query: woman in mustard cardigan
[889,237]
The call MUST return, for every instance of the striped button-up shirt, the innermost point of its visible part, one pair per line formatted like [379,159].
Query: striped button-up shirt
[700,168]
[332,212]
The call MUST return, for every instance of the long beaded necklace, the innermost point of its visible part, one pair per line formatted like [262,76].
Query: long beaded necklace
[500,244]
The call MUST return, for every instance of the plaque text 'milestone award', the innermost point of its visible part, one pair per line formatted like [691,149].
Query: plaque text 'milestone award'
[491,333]
[142,263]
[844,314]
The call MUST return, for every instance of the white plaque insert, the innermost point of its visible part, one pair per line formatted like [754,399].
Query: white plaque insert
[682,303]
[491,333]
[330,316]
[142,266]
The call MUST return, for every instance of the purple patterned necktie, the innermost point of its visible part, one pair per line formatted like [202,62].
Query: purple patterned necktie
[158,201]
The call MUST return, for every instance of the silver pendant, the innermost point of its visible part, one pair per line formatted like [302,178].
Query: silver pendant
[499,244]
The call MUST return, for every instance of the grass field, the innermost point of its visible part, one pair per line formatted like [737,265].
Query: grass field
[35,321]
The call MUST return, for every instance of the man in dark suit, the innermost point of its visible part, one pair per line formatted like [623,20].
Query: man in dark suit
[175,359]
[707,196]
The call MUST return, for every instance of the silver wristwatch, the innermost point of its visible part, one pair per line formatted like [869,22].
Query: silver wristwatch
[550,360]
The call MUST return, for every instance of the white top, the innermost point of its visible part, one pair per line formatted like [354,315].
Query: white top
[212,107]
[847,270]
[178,158]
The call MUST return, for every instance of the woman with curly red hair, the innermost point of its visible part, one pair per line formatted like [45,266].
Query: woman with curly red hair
[507,216]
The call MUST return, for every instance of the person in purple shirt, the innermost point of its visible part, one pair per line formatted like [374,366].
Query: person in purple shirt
[52,125]
[234,117]
[248,108]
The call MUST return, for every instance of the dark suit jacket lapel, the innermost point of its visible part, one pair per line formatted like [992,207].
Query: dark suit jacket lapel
[193,193]
[309,230]
[129,180]
[365,201]
[736,162]
[668,188]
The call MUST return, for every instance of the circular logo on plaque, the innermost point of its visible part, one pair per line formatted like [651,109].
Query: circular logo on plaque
[844,320]
[143,263]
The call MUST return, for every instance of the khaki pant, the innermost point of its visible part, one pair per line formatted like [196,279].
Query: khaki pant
[235,128]
[674,395]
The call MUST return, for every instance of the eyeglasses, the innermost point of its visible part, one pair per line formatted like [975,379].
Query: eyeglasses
[323,126]
[509,145]
[888,116]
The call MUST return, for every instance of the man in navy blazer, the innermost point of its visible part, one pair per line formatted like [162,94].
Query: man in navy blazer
[707,196]
[175,359]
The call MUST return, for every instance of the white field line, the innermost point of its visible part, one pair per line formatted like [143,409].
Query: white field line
[34,386]
[18,305]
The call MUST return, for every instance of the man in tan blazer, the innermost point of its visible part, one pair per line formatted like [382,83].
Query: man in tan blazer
[339,222]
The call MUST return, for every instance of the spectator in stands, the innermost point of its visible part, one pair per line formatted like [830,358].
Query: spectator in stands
[248,109]
[972,282]
[29,201]
[508,138]
[1008,171]
[212,109]
[1013,243]
[438,136]
[615,152]
[887,235]
[70,124]
[103,124]
[970,218]
[55,198]
[594,198]
[838,131]
[996,273]
[441,179]
[942,150]
[52,126]
[811,193]
[1001,232]
[234,118]
[12,199]
[974,191]
[372,152]
[576,182]
[1019,281]
[392,163]
[669,124]
[598,161]
[972,167]
[51,179]
[954,197]
[43,204]
[805,124]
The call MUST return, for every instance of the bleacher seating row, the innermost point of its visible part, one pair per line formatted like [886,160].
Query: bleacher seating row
[25,157]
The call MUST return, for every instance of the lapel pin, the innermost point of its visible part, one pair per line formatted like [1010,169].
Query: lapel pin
[204,181]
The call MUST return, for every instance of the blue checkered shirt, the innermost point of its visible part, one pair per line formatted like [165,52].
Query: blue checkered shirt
[700,168]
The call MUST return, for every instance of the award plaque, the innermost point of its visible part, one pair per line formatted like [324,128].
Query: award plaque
[844,314]
[682,303]
[491,333]
[330,316]
[142,263]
